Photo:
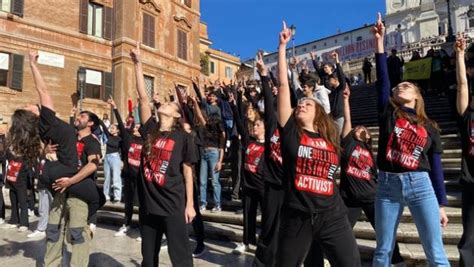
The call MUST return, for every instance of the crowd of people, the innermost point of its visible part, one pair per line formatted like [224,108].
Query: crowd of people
[288,138]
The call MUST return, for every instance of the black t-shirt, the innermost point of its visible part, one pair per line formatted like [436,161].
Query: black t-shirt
[59,132]
[273,157]
[310,164]
[162,188]
[405,146]
[86,147]
[210,135]
[17,173]
[133,157]
[113,144]
[466,128]
[254,167]
[358,171]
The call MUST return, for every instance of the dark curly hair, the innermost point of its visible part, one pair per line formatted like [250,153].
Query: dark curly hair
[23,138]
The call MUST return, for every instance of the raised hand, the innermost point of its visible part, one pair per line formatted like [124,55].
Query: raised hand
[460,44]
[379,29]
[135,54]
[347,92]
[260,64]
[285,35]
[111,102]
[313,55]
[33,55]
[73,111]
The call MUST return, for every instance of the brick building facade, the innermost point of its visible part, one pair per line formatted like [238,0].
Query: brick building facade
[96,35]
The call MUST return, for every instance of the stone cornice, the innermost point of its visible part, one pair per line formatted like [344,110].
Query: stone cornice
[152,4]
[183,20]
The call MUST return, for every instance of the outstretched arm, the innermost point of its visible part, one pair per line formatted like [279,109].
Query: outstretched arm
[347,127]
[145,109]
[462,101]
[41,88]
[284,102]
[383,83]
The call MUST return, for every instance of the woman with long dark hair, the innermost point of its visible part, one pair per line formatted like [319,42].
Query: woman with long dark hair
[166,185]
[409,161]
[23,151]
[313,208]
[359,172]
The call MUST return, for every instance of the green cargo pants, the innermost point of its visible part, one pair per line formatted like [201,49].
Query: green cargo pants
[67,223]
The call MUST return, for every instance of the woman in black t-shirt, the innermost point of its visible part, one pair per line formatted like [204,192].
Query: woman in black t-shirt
[359,172]
[253,150]
[313,208]
[166,185]
[24,146]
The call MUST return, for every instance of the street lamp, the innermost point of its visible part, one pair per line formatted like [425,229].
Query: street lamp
[81,77]
[450,38]
[293,33]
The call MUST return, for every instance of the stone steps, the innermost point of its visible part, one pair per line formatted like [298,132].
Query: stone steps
[411,252]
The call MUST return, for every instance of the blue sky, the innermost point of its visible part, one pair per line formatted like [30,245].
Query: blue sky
[243,26]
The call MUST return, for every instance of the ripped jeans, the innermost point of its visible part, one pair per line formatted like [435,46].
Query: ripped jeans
[67,219]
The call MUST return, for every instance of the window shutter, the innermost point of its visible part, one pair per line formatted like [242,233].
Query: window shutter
[145,29]
[108,22]
[108,85]
[83,13]
[182,48]
[17,72]
[17,7]
[151,31]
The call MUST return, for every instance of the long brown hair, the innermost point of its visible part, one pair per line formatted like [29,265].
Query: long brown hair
[23,138]
[420,118]
[325,126]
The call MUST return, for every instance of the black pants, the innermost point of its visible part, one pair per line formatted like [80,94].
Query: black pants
[236,163]
[198,224]
[271,211]
[369,210]
[174,227]
[130,179]
[367,77]
[331,229]
[466,245]
[2,204]
[86,190]
[250,201]
[19,202]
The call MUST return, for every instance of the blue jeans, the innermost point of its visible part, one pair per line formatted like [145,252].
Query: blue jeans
[209,160]
[395,190]
[112,167]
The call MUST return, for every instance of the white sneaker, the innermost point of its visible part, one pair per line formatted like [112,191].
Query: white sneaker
[22,229]
[240,249]
[122,231]
[138,239]
[7,226]
[31,213]
[37,234]
[92,227]
[2,221]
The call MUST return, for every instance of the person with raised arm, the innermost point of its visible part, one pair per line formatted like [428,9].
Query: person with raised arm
[409,161]
[166,184]
[72,176]
[359,172]
[273,190]
[465,108]
[313,209]
[131,149]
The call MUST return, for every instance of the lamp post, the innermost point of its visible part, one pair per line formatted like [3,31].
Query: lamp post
[450,38]
[81,77]
[293,33]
